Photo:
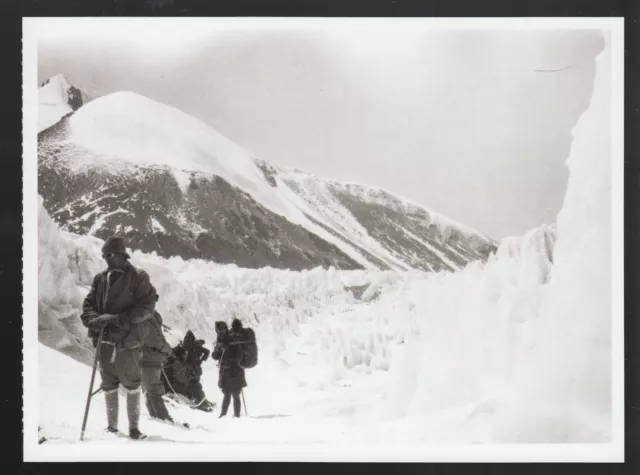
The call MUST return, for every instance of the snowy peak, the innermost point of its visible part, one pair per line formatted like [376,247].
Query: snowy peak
[57,98]
[132,128]
[58,83]
[126,128]
[170,183]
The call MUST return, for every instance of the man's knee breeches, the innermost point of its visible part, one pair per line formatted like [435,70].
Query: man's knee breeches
[119,367]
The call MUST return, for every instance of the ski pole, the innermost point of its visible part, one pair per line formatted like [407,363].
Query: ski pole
[244,403]
[93,376]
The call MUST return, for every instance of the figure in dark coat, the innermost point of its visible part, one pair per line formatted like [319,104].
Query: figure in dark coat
[121,301]
[231,377]
[153,358]
[183,371]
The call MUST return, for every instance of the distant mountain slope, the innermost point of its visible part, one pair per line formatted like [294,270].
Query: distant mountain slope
[171,184]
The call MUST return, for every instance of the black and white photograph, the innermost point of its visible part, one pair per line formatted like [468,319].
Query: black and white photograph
[323,239]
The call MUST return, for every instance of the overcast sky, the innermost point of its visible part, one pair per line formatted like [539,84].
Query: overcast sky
[458,121]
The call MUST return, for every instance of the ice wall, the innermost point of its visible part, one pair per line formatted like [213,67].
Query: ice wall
[468,327]
[60,291]
[562,392]
[524,343]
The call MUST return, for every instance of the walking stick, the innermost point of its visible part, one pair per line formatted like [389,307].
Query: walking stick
[93,376]
[244,403]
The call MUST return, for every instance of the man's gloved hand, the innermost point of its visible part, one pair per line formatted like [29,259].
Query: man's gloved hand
[104,319]
[166,349]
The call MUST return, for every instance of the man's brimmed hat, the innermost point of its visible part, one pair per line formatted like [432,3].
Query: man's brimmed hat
[115,245]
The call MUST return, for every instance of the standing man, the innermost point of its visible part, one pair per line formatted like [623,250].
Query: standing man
[120,300]
[231,378]
[155,352]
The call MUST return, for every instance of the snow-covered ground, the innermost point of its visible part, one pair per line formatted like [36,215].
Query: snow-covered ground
[516,350]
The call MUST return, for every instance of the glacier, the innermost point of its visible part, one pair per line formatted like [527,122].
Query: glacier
[514,350]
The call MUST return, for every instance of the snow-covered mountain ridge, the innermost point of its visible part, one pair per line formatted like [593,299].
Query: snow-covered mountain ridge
[171,184]
[57,98]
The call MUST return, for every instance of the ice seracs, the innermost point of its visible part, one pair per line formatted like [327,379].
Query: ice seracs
[563,388]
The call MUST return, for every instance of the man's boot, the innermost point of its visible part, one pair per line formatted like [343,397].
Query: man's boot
[236,405]
[226,400]
[206,406]
[148,399]
[111,399]
[133,412]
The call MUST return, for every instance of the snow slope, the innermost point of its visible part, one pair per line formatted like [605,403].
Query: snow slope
[125,128]
[319,198]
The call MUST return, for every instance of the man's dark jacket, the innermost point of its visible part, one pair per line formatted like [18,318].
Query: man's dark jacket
[128,294]
[231,377]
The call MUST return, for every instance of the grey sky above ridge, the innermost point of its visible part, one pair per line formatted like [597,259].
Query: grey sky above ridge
[475,125]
